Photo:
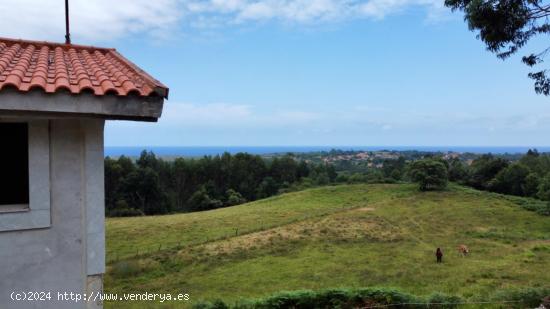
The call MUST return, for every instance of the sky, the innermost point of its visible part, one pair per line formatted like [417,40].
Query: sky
[304,72]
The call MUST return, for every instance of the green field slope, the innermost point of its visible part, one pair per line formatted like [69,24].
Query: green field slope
[341,236]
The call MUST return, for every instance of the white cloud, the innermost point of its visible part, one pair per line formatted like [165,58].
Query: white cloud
[91,20]
[107,20]
[261,124]
[364,117]
[305,11]
[409,120]
[214,123]
[382,8]
[295,117]
[223,115]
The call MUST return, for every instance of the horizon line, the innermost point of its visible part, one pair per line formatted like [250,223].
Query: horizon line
[347,146]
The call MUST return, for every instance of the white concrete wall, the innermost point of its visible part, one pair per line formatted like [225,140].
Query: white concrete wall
[68,256]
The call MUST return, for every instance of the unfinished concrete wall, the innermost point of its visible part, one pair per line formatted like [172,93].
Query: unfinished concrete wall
[68,256]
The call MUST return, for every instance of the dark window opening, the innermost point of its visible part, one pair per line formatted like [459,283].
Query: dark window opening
[14,163]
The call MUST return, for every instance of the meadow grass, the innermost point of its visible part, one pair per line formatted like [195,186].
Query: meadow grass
[128,236]
[348,236]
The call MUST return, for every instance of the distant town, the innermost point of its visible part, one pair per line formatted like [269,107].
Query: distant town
[376,159]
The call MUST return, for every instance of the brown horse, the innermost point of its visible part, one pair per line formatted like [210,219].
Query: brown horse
[463,250]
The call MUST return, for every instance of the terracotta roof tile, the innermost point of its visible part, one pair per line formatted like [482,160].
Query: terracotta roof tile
[52,67]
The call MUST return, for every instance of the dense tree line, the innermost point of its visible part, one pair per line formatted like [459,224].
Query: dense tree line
[529,176]
[151,185]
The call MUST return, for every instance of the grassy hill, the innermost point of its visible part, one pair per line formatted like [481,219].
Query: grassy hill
[341,236]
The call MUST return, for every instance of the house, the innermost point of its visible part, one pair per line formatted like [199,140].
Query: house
[54,101]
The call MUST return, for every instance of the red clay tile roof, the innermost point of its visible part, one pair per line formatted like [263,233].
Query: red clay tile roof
[52,67]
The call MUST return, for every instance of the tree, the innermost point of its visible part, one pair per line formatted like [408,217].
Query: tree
[484,169]
[284,169]
[393,168]
[531,185]
[537,163]
[148,159]
[267,187]
[511,180]
[126,164]
[544,188]
[183,174]
[396,175]
[113,175]
[303,169]
[430,174]
[116,172]
[143,191]
[457,171]
[505,26]
[321,178]
[331,172]
[246,173]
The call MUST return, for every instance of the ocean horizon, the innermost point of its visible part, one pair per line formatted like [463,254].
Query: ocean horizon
[197,151]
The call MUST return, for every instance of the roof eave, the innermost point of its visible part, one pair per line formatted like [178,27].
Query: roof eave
[82,105]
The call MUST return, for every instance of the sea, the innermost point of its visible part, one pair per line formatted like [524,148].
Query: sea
[199,151]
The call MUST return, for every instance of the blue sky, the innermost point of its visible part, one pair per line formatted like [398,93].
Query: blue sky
[296,72]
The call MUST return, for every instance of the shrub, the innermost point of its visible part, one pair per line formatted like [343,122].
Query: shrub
[529,297]
[386,296]
[333,298]
[304,183]
[531,204]
[544,209]
[357,178]
[440,300]
[304,299]
[234,198]
[125,269]
[342,178]
[125,212]
[201,200]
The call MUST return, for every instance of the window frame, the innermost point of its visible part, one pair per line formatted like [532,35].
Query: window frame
[35,214]
[12,207]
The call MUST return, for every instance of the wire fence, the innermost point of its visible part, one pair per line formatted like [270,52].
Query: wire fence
[463,303]
[143,251]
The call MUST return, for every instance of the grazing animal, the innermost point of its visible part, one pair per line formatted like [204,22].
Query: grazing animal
[439,255]
[463,250]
